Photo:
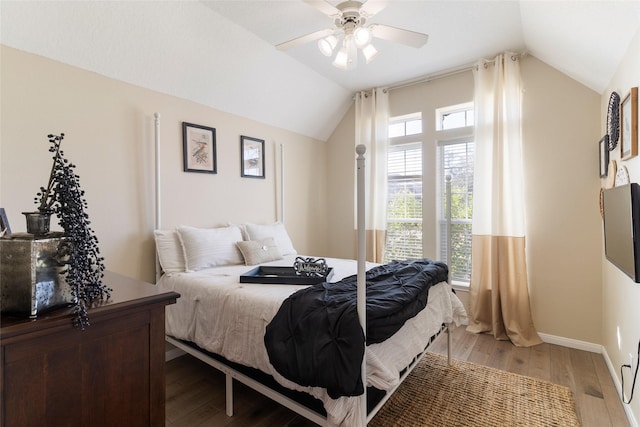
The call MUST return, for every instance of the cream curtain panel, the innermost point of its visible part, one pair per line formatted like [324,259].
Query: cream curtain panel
[372,130]
[499,294]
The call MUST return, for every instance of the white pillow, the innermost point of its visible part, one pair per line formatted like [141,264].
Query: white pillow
[259,251]
[209,247]
[169,250]
[275,230]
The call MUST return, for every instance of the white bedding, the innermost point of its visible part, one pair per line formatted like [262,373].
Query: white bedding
[229,318]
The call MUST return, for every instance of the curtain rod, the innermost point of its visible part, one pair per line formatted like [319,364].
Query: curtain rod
[450,72]
[431,77]
[423,79]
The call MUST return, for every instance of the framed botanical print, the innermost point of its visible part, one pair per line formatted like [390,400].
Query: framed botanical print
[251,157]
[199,148]
[629,125]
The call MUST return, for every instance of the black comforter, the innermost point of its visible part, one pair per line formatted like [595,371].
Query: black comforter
[315,339]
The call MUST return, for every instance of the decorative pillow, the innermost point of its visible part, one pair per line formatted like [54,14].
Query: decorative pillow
[169,250]
[275,230]
[259,251]
[209,247]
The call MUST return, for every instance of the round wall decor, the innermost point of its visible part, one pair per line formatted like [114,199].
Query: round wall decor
[613,120]
[622,176]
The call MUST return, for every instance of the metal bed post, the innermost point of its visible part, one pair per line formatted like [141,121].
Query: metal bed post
[448,215]
[447,190]
[361,278]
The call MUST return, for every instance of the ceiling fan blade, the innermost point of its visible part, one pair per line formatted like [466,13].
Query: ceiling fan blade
[410,38]
[305,39]
[323,7]
[371,7]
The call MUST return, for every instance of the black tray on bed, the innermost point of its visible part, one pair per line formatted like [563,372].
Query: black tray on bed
[281,275]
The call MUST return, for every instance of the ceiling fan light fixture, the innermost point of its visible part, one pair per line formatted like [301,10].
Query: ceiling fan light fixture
[369,52]
[351,22]
[327,44]
[347,56]
[362,36]
[341,59]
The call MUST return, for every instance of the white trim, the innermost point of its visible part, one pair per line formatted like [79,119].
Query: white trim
[571,343]
[450,109]
[614,377]
[157,212]
[281,183]
[459,286]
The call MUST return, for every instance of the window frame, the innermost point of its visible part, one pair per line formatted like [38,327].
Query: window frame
[466,138]
[404,143]
[441,112]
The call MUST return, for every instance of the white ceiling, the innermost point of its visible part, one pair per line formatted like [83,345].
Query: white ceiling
[584,39]
[222,54]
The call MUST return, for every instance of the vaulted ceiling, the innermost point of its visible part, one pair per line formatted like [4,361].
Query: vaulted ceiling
[222,54]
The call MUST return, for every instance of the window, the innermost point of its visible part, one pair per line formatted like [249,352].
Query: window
[404,189]
[455,116]
[456,161]
[411,124]
[405,178]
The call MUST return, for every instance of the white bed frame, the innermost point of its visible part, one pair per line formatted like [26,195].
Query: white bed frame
[231,373]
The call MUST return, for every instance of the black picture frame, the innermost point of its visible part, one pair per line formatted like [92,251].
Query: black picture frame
[199,148]
[603,147]
[251,157]
[4,223]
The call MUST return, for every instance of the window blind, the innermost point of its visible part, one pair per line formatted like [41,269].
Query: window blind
[456,160]
[404,203]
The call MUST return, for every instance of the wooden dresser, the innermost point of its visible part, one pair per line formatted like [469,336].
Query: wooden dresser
[110,374]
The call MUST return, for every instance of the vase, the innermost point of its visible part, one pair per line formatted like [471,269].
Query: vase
[37,222]
[32,273]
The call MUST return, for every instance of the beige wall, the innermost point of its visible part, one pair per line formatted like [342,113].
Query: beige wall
[341,155]
[561,131]
[109,128]
[560,135]
[620,295]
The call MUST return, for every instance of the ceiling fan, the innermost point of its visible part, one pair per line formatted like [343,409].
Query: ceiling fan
[349,20]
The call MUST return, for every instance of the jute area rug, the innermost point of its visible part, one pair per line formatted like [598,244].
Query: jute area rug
[467,394]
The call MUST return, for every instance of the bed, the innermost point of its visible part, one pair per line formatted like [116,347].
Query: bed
[227,318]
[222,321]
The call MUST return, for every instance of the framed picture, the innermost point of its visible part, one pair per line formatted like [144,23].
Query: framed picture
[251,157]
[629,125]
[199,148]
[4,223]
[603,146]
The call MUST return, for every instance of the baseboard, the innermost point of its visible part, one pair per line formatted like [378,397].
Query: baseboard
[616,382]
[593,348]
[571,343]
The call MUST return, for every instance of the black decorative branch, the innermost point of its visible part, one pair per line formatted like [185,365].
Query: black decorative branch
[46,197]
[85,266]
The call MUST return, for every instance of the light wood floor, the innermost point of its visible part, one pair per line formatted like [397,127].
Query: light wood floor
[195,391]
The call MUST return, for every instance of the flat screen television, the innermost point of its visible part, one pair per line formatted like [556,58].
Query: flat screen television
[621,211]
